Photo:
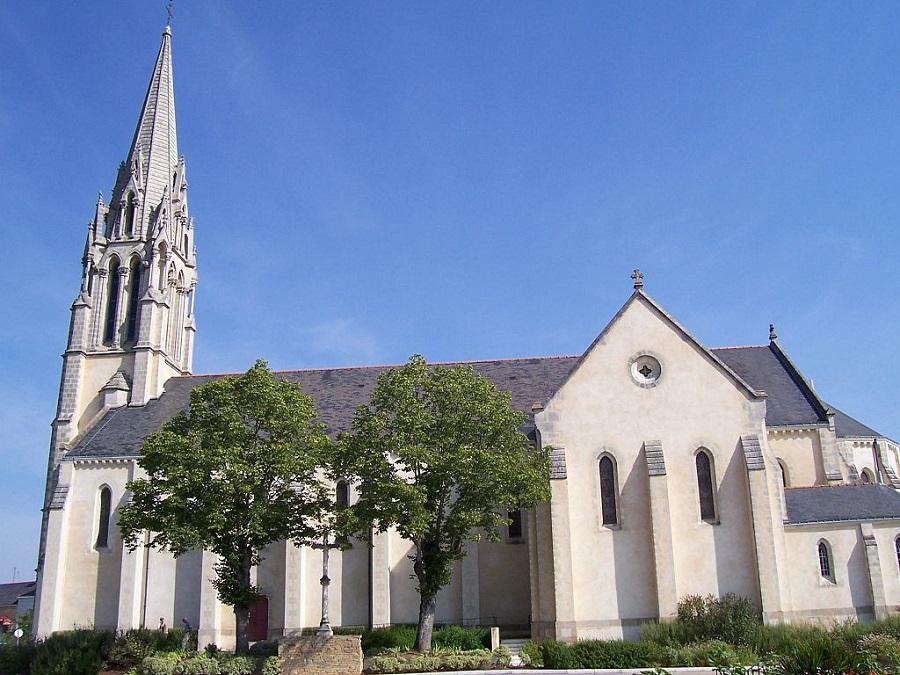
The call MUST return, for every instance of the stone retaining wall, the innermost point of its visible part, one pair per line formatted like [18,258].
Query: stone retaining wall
[313,655]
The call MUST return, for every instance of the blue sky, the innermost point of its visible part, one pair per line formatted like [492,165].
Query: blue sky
[465,180]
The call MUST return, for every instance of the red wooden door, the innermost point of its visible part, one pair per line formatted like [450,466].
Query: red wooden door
[259,621]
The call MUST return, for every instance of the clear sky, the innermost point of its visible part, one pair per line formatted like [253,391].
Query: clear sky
[464,180]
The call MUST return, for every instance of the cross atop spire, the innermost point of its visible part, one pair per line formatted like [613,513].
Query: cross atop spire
[638,279]
[169,13]
[772,334]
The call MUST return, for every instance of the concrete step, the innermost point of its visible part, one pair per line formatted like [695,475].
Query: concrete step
[515,649]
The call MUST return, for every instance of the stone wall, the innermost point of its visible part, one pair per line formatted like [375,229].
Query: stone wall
[313,655]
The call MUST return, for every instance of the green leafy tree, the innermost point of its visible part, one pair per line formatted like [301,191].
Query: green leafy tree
[243,468]
[437,455]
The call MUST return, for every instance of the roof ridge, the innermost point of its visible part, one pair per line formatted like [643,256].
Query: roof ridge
[739,347]
[373,366]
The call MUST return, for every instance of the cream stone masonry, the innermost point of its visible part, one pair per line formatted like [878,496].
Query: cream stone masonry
[675,469]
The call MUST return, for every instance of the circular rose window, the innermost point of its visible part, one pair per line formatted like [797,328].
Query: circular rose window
[645,370]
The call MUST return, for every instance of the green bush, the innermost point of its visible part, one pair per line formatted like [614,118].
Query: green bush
[271,665]
[457,637]
[264,648]
[883,647]
[238,665]
[479,659]
[781,638]
[666,633]
[77,652]
[160,664]
[198,665]
[393,637]
[531,655]
[16,659]
[729,618]
[712,653]
[558,655]
[616,654]
[822,655]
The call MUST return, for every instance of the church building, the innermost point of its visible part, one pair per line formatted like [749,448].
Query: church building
[677,469]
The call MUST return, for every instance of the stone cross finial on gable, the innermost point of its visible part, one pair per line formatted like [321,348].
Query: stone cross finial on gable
[638,278]
[772,334]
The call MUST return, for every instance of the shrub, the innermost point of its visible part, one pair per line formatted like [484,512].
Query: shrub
[264,648]
[781,638]
[531,655]
[393,637]
[729,618]
[883,647]
[133,646]
[16,659]
[667,633]
[271,666]
[557,655]
[713,653]
[457,637]
[817,656]
[160,664]
[198,665]
[237,665]
[615,654]
[78,652]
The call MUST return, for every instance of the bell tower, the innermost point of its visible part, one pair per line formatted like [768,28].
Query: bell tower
[132,324]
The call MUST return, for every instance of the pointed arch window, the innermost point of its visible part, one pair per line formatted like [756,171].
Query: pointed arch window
[342,495]
[705,485]
[782,469]
[130,208]
[826,564]
[134,299]
[897,549]
[103,517]
[112,302]
[866,477]
[608,491]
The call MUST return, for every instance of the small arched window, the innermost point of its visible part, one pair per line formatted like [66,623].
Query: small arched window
[866,477]
[515,523]
[608,491]
[186,245]
[342,494]
[826,566]
[897,550]
[705,486]
[103,518]
[130,208]
[112,301]
[134,299]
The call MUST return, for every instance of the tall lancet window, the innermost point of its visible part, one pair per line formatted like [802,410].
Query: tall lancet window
[608,491]
[134,299]
[130,208]
[103,517]
[705,486]
[112,302]
[826,568]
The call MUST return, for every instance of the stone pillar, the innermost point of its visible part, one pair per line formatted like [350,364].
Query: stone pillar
[661,529]
[830,455]
[540,548]
[294,591]
[51,575]
[471,600]
[121,306]
[762,509]
[381,579]
[209,630]
[564,627]
[876,578]
[99,308]
[131,588]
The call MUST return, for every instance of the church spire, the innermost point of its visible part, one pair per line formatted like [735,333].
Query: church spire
[148,172]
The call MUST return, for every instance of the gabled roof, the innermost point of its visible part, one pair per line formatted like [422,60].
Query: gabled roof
[828,504]
[337,393]
[850,427]
[10,593]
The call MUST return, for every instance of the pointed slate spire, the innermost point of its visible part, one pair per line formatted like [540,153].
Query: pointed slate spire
[153,156]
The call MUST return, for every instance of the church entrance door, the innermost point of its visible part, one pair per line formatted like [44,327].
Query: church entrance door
[259,621]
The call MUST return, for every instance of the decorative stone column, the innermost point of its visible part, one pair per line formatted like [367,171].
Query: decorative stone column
[99,308]
[121,309]
[661,529]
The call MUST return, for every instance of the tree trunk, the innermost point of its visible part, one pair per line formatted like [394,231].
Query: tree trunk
[242,624]
[426,623]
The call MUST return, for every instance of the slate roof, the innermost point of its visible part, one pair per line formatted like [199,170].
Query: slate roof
[10,593]
[787,403]
[337,393]
[827,504]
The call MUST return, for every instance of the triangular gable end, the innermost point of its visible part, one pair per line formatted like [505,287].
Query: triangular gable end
[640,296]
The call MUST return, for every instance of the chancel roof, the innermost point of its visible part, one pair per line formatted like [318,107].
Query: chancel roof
[829,504]
[337,393]
[10,593]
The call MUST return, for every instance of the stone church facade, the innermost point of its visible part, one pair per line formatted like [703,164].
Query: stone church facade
[677,469]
